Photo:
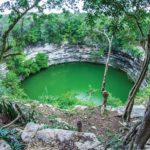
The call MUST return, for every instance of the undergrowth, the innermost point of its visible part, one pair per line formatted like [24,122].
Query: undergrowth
[59,124]
[66,101]
[111,140]
[143,95]
[13,138]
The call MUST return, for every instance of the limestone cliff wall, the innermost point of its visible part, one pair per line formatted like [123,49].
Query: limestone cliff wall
[73,53]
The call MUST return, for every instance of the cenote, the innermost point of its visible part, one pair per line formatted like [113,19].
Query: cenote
[84,80]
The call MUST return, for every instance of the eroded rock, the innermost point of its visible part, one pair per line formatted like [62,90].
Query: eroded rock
[82,141]
[138,111]
[54,134]
[80,108]
[88,141]
[30,131]
[62,138]
[4,145]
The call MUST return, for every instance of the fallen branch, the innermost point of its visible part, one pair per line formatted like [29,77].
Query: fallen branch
[12,122]
[20,112]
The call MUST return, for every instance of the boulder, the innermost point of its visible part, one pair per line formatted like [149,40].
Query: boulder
[87,141]
[63,139]
[30,131]
[54,134]
[80,108]
[4,145]
[82,141]
[138,111]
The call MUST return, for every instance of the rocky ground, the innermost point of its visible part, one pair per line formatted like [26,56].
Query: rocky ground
[91,118]
[57,129]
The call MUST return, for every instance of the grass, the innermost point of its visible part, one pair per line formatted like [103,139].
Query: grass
[59,124]
[143,95]
[67,101]
[111,140]
[114,102]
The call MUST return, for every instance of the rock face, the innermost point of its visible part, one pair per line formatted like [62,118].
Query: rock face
[62,138]
[3,69]
[4,145]
[138,111]
[74,53]
[80,108]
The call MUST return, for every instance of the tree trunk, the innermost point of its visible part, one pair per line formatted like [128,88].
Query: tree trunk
[143,133]
[137,84]
[104,92]
[107,62]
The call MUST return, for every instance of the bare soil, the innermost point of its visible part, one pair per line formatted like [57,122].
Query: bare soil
[91,118]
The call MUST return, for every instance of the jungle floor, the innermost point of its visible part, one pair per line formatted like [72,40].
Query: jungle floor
[106,126]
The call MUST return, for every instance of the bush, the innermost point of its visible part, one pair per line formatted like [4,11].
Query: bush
[113,101]
[12,82]
[31,66]
[23,67]
[16,64]
[3,89]
[41,60]
[143,95]
[11,79]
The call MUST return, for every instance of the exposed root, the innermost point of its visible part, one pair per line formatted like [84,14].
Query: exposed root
[12,122]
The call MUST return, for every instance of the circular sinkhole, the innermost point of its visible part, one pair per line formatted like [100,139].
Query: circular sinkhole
[84,80]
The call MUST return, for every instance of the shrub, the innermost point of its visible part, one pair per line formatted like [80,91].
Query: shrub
[113,101]
[31,66]
[3,89]
[11,79]
[23,67]
[143,95]
[42,60]
[16,64]
[12,82]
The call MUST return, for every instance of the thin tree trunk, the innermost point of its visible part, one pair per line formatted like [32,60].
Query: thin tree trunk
[107,62]
[138,136]
[104,92]
[143,133]
[137,84]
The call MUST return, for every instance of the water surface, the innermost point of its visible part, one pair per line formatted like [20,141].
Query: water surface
[82,79]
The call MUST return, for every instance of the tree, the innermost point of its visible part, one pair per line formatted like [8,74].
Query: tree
[143,133]
[104,27]
[132,9]
[139,134]
[141,77]
[18,9]
[104,91]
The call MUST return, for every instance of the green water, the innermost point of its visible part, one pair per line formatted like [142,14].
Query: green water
[82,79]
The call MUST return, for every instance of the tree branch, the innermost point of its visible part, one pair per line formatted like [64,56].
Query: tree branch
[12,122]
[16,20]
